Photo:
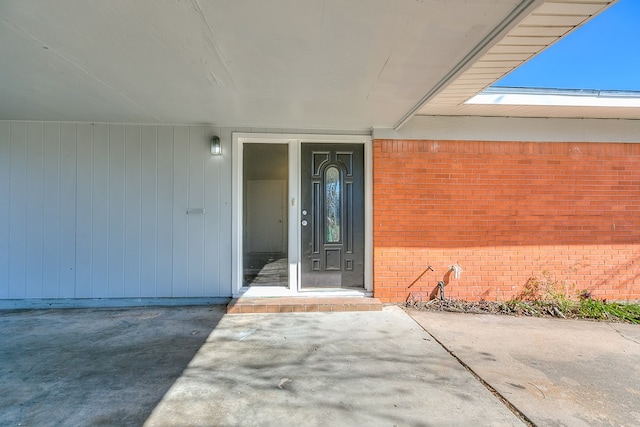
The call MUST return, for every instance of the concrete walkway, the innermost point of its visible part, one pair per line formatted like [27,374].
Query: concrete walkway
[195,366]
[557,372]
[326,369]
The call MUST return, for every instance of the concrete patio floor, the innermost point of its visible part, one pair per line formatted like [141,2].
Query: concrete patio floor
[197,366]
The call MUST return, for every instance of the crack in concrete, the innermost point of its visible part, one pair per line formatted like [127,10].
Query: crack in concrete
[517,412]
[623,335]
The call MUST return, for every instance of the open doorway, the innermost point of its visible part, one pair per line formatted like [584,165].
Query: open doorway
[265,216]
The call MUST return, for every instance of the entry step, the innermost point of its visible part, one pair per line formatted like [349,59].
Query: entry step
[302,304]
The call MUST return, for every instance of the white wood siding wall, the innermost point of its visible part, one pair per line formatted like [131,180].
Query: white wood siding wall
[100,211]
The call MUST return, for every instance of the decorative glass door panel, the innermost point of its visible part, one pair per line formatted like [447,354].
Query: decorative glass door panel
[332,215]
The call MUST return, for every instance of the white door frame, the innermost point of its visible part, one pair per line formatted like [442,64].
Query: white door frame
[294,141]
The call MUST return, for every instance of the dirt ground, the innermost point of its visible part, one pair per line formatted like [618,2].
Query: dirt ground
[541,309]
[457,306]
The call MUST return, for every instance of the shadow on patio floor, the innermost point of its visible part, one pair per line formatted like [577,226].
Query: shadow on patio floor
[95,366]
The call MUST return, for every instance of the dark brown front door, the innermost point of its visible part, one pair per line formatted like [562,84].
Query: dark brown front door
[332,215]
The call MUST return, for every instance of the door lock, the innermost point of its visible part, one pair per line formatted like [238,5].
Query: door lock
[304,223]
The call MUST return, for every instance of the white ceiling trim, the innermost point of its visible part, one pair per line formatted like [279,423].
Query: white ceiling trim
[511,129]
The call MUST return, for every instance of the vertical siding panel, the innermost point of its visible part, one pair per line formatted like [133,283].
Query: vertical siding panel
[35,214]
[5,191]
[197,144]
[116,211]
[132,211]
[51,205]
[76,191]
[100,213]
[18,212]
[180,204]
[149,224]
[83,211]
[164,203]
[68,185]
[212,190]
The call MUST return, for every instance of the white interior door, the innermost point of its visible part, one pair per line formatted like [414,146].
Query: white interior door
[266,215]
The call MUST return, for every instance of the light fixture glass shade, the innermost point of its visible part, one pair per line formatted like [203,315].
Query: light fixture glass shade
[216,147]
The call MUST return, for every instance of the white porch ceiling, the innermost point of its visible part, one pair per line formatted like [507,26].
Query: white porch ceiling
[330,64]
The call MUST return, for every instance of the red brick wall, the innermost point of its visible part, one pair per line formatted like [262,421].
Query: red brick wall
[505,212]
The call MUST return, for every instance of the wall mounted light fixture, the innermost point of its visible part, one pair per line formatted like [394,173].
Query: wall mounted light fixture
[216,147]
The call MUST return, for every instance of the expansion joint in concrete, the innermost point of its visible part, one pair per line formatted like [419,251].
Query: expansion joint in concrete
[517,412]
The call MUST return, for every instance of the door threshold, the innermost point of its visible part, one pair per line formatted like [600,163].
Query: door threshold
[339,292]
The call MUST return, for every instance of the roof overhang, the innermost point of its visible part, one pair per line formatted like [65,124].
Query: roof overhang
[468,95]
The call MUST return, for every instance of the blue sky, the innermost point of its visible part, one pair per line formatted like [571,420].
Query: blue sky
[603,54]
